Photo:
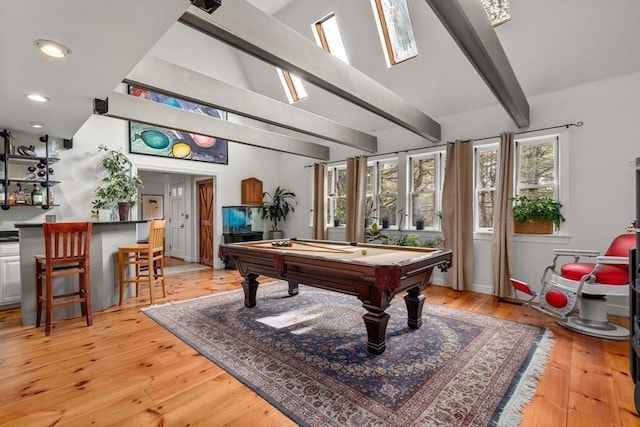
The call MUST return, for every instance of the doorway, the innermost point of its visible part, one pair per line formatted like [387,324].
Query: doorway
[205,221]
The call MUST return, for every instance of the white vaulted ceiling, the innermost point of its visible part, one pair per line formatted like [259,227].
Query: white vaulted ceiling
[551,44]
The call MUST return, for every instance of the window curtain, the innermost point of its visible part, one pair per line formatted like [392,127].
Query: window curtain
[457,212]
[319,211]
[356,194]
[502,246]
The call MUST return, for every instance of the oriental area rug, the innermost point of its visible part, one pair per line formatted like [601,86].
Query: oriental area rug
[307,356]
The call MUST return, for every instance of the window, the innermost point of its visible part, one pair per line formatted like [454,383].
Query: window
[396,32]
[292,86]
[486,169]
[337,201]
[370,191]
[328,36]
[388,191]
[536,167]
[426,188]
[536,170]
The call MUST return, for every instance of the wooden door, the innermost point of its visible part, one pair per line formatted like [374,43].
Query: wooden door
[205,221]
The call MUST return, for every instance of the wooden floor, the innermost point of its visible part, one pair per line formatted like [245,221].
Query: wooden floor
[127,370]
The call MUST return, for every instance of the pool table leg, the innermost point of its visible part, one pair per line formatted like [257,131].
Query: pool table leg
[293,288]
[376,323]
[414,300]
[250,287]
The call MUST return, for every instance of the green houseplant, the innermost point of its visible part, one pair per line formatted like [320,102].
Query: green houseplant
[275,207]
[536,216]
[119,188]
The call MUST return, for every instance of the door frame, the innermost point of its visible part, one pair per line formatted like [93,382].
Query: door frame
[191,177]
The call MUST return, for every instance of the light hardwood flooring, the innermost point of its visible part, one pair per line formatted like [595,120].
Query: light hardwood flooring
[127,370]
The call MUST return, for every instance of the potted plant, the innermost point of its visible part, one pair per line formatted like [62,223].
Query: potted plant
[120,186]
[376,233]
[536,216]
[385,221]
[275,207]
[420,222]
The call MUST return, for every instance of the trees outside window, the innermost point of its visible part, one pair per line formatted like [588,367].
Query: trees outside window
[388,191]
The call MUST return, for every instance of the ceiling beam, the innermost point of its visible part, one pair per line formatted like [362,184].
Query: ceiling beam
[126,107]
[161,76]
[469,25]
[247,28]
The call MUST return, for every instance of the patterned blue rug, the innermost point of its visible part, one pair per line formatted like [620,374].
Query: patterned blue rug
[307,356]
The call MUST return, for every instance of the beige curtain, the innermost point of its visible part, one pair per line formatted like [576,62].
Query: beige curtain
[457,212]
[502,247]
[319,211]
[356,194]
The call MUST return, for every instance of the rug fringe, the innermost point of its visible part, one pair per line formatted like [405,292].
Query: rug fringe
[526,388]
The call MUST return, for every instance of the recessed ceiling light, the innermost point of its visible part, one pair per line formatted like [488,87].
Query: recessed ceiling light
[37,98]
[36,125]
[53,49]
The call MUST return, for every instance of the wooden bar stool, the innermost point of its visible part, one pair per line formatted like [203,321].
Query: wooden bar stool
[66,246]
[144,256]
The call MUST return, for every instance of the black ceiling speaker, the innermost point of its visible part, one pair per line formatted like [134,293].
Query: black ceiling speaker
[208,6]
[100,106]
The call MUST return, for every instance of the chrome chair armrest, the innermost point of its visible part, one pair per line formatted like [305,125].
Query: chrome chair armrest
[612,260]
[576,252]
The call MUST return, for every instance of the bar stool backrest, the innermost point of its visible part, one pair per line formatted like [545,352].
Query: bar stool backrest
[67,242]
[156,235]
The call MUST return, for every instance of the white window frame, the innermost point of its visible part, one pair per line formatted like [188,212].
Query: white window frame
[476,190]
[332,198]
[379,193]
[523,142]
[439,160]
[562,175]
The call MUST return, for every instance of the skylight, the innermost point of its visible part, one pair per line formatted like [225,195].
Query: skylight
[396,32]
[499,11]
[328,36]
[293,87]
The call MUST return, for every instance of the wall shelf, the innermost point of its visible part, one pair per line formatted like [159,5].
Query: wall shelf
[42,163]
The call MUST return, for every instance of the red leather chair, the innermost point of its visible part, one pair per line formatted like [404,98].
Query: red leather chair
[586,285]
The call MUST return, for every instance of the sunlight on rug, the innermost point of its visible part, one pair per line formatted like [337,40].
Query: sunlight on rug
[307,356]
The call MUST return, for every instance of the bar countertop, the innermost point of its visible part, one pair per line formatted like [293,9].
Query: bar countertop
[39,224]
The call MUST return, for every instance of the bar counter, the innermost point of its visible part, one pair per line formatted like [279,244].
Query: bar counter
[106,237]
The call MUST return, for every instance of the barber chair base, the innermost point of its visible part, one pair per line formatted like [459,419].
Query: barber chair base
[595,328]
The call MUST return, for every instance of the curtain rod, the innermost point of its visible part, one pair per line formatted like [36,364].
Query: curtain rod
[567,125]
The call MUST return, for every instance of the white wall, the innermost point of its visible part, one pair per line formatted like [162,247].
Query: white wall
[601,197]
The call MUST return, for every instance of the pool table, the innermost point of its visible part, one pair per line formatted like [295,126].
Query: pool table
[373,273]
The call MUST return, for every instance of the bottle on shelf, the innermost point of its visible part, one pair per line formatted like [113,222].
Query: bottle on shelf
[22,198]
[36,196]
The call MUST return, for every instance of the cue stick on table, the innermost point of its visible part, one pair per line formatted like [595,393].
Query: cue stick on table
[314,245]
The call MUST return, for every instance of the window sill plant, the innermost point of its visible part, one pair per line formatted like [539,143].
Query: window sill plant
[536,216]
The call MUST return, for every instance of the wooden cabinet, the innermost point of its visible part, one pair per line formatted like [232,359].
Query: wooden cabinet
[251,191]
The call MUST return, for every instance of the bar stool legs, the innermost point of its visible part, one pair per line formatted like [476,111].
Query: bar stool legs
[148,259]
[66,253]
